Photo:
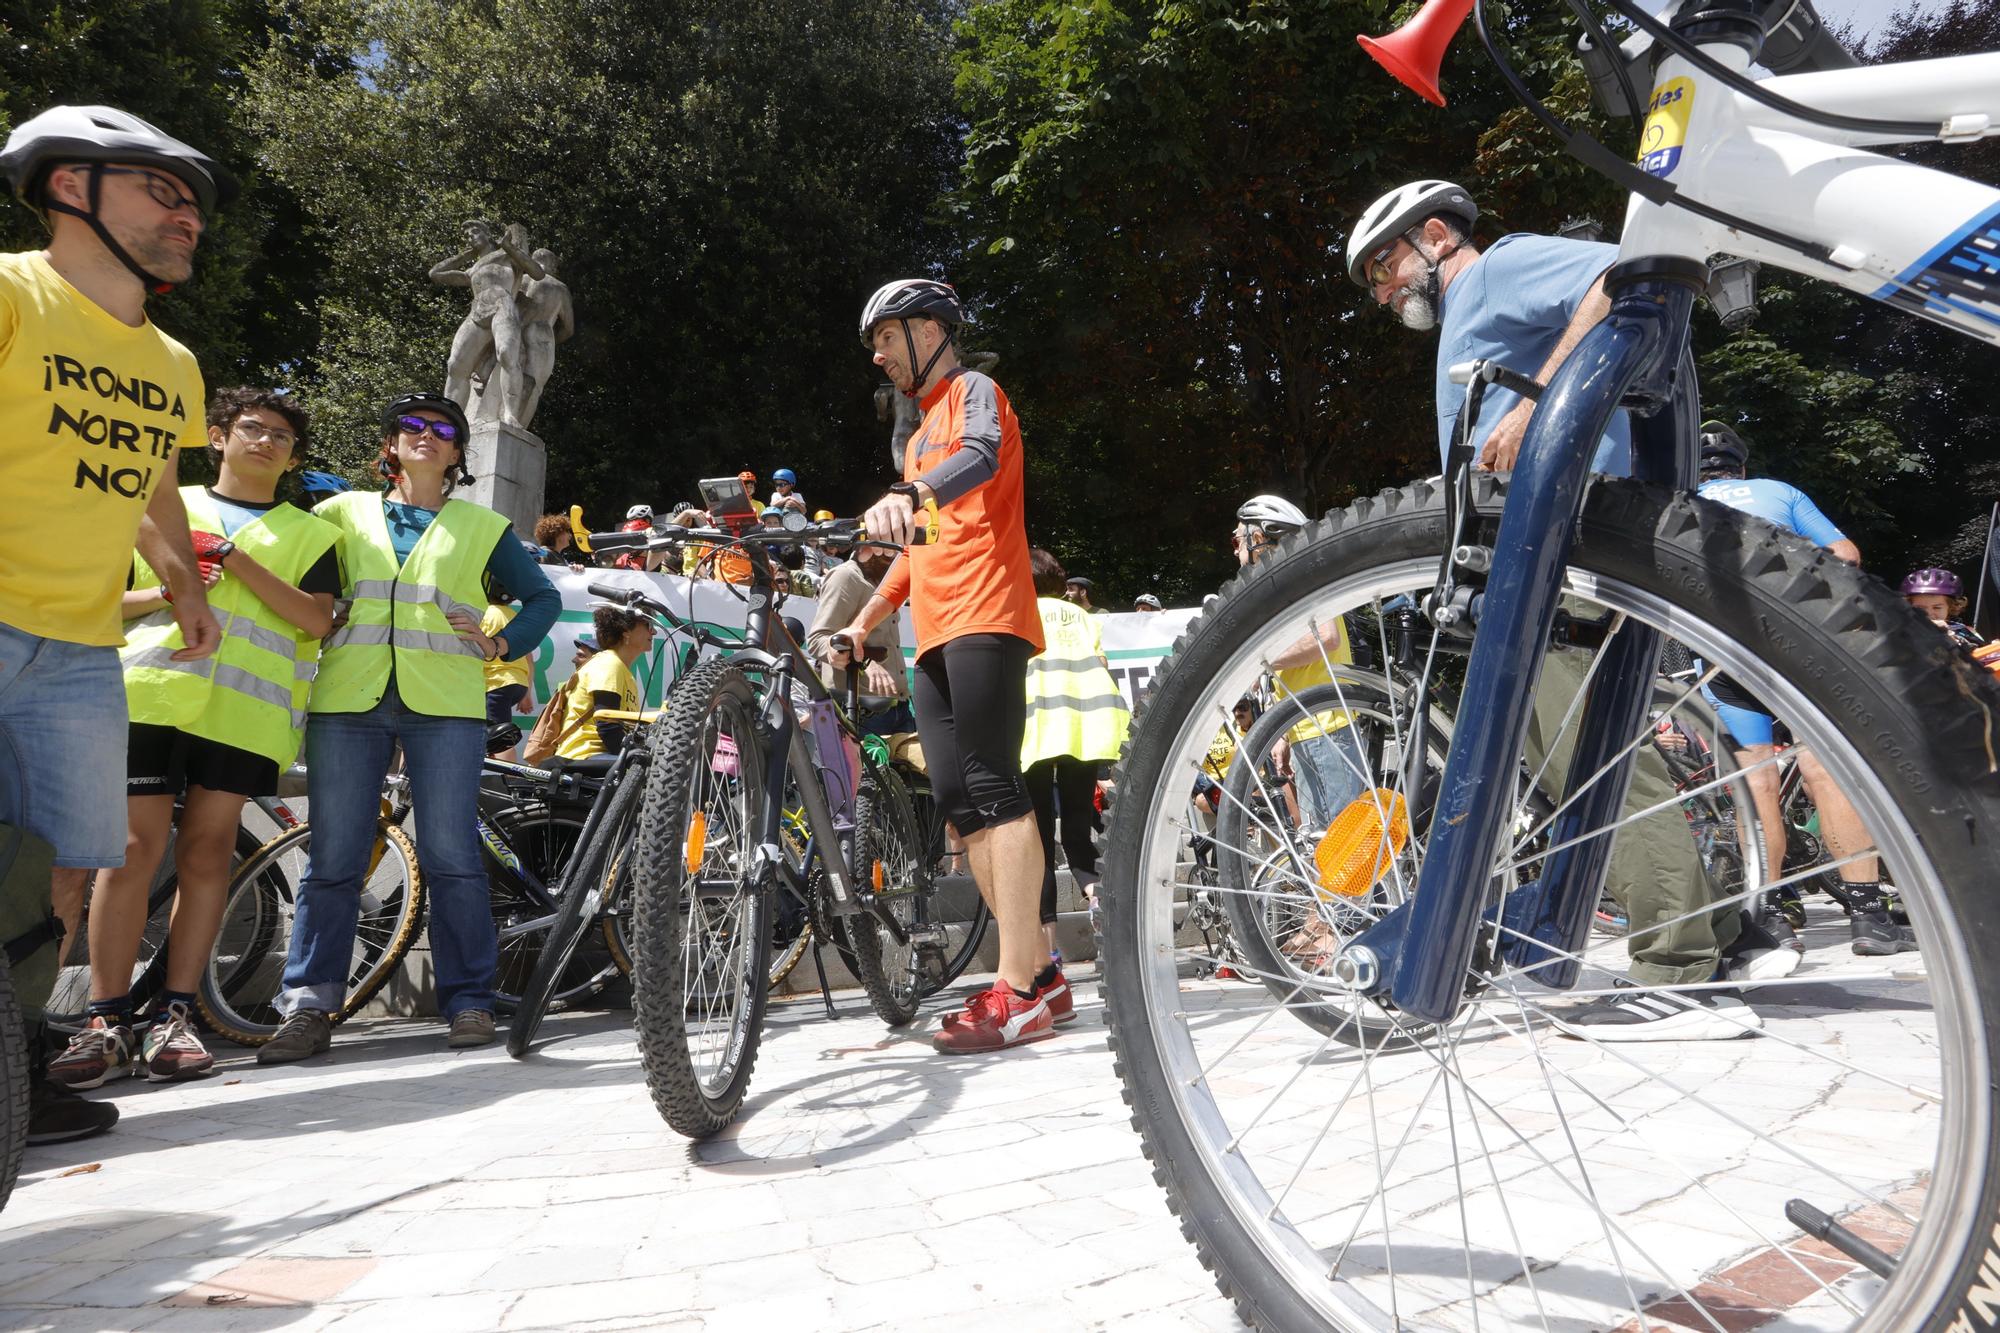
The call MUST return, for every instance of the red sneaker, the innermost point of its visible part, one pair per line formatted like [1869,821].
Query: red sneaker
[994,1019]
[1056,995]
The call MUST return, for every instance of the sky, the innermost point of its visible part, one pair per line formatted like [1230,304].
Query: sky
[1865,15]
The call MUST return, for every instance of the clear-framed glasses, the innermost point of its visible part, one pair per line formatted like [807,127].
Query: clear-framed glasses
[255,433]
[158,188]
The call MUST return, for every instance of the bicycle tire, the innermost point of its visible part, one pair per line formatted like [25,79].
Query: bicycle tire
[603,863]
[696,1083]
[526,831]
[965,934]
[889,859]
[149,971]
[13,1084]
[238,987]
[1902,724]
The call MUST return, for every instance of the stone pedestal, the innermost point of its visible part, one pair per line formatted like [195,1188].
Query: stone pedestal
[509,473]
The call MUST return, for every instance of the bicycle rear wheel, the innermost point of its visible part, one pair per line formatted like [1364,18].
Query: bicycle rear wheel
[600,877]
[70,1001]
[1519,1165]
[542,838]
[240,987]
[952,911]
[700,920]
[889,859]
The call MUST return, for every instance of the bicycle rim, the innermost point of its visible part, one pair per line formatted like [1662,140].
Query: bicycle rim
[1495,1168]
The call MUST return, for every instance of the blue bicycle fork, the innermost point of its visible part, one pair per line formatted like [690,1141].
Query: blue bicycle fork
[1421,951]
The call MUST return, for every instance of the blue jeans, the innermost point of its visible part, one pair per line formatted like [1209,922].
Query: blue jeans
[347,755]
[62,746]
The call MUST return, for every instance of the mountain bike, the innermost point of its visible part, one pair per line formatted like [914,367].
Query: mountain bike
[1486,1158]
[743,738]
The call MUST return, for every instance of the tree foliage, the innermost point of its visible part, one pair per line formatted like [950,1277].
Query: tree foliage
[724,182]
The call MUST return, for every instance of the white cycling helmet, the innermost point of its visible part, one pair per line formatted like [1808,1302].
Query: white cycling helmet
[906,297]
[1274,515]
[1399,210]
[639,511]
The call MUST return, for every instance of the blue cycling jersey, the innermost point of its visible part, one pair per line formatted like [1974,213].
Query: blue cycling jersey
[1775,502]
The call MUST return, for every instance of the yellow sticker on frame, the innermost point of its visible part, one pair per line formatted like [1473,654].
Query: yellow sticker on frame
[1665,134]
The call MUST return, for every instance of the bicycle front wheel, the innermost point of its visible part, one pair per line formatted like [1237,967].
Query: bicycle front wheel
[1529,1164]
[597,879]
[701,935]
[240,986]
[13,1084]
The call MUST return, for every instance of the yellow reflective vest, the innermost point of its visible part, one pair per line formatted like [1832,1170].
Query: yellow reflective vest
[396,612]
[252,692]
[1074,707]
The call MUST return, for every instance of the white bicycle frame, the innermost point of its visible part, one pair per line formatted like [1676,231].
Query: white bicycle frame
[1923,240]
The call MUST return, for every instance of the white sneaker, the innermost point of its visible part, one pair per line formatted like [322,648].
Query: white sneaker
[1661,1016]
[1757,955]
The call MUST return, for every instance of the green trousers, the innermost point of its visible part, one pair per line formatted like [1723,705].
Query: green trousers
[1656,871]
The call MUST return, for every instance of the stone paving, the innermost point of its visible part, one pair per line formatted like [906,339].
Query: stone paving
[870,1184]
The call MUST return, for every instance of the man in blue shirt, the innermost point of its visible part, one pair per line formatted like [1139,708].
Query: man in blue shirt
[1876,932]
[1526,301]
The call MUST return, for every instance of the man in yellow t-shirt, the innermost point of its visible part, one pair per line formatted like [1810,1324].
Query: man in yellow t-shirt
[605,683]
[94,403]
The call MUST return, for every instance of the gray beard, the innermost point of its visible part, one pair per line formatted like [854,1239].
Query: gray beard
[1418,312]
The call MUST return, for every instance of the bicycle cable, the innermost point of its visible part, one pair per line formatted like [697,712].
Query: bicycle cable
[1587,150]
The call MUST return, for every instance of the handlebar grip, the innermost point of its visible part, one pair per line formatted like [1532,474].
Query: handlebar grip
[611,592]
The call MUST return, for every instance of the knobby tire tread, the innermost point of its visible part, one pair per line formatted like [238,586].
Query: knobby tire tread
[863,938]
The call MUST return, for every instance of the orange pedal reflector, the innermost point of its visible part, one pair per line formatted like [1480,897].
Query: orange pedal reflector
[1361,844]
[697,841]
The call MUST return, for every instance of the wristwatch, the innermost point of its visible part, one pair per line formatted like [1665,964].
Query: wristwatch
[222,553]
[908,489]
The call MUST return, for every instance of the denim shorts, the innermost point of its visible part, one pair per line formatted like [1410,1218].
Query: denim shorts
[62,746]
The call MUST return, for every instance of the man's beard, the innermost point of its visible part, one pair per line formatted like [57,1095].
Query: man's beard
[1419,309]
[159,256]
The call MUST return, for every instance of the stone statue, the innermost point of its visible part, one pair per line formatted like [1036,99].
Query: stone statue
[547,318]
[489,340]
[901,414]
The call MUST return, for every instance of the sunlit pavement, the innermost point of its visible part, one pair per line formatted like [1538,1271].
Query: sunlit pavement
[870,1183]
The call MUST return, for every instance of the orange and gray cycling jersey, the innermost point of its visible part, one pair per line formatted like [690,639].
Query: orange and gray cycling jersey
[975,578]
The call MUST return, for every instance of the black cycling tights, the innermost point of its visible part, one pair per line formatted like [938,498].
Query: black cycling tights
[971,695]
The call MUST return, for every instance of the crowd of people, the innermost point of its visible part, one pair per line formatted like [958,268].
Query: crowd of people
[187,643]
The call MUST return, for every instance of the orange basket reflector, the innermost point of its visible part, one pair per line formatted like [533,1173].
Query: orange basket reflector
[1361,844]
[697,841]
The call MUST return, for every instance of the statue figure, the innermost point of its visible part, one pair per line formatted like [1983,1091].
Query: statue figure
[547,318]
[489,339]
[901,414]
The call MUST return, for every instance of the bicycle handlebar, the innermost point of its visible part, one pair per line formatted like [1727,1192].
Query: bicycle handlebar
[667,534]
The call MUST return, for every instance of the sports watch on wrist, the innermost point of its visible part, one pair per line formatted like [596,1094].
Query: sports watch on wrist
[222,553]
[908,489]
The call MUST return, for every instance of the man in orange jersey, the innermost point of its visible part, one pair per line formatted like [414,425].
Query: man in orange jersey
[972,598]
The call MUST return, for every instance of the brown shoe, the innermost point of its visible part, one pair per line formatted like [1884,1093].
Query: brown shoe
[171,1050]
[474,1027]
[100,1052]
[306,1032]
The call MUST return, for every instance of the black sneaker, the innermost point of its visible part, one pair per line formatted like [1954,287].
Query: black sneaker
[1757,955]
[1876,935]
[1654,1016]
[57,1115]
[306,1032]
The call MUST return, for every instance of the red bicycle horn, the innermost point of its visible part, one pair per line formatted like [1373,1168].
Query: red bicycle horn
[1414,51]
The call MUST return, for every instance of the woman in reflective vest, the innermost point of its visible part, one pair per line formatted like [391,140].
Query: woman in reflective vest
[1076,721]
[209,732]
[405,666]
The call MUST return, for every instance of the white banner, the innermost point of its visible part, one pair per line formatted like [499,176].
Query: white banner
[1134,642]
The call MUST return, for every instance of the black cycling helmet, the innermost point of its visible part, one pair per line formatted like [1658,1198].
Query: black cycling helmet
[906,299]
[106,136]
[1722,449]
[429,402]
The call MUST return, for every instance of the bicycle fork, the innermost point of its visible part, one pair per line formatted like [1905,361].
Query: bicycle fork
[1419,954]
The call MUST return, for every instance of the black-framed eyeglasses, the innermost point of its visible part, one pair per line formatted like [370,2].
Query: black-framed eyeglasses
[158,188]
[256,433]
[440,430]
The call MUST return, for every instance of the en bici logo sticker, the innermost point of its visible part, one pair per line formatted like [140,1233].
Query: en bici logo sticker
[1666,129]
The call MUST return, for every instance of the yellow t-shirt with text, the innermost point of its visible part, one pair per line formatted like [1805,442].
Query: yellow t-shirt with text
[605,673]
[499,672]
[91,411]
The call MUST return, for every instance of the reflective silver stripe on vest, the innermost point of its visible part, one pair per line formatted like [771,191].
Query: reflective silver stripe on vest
[1040,664]
[221,676]
[417,639]
[233,625]
[1099,704]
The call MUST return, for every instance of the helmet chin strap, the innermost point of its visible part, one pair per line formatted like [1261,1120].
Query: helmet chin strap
[910,343]
[156,285]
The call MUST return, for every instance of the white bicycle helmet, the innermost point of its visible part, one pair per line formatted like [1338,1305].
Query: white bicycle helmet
[1398,211]
[1274,515]
[639,511]
[906,297]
